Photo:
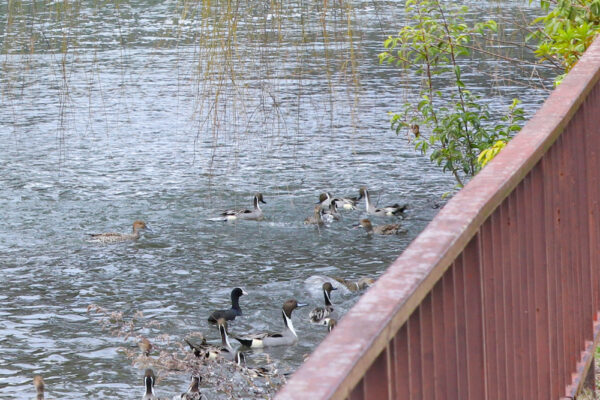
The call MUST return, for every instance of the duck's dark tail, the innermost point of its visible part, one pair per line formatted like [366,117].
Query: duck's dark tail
[400,209]
[244,342]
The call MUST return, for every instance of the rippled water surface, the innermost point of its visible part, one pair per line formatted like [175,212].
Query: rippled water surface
[125,138]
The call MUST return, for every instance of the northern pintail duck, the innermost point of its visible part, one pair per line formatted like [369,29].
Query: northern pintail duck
[235,309]
[316,218]
[320,313]
[287,337]
[193,392]
[149,381]
[355,286]
[344,203]
[393,210]
[211,352]
[256,214]
[38,382]
[112,237]
[240,360]
[390,229]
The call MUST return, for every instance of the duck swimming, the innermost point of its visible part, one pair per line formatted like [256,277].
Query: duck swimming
[38,382]
[344,203]
[193,392]
[320,313]
[149,380]
[234,311]
[393,210]
[316,218]
[286,338]
[113,237]
[256,214]
[390,229]
[240,360]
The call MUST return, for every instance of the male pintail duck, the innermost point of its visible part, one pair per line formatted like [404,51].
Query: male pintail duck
[226,351]
[145,346]
[240,360]
[287,337]
[38,382]
[355,286]
[394,210]
[113,237]
[193,392]
[316,218]
[256,214]
[233,312]
[390,229]
[343,203]
[149,381]
[320,313]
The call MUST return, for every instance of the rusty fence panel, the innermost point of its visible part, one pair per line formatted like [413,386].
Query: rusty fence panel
[498,298]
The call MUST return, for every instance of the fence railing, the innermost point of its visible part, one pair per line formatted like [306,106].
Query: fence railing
[498,298]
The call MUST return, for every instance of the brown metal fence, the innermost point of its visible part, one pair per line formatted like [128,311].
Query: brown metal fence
[498,298]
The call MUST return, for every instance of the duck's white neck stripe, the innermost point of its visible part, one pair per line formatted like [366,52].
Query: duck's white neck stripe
[367,200]
[289,324]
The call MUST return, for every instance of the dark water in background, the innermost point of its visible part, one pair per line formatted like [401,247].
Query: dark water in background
[129,146]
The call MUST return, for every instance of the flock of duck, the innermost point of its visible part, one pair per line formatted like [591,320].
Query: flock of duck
[325,212]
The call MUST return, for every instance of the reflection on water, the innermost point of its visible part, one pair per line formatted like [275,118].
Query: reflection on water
[129,140]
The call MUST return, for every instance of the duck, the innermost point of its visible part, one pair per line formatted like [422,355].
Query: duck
[233,312]
[211,352]
[226,351]
[38,382]
[393,210]
[317,315]
[193,392]
[240,361]
[112,237]
[287,337]
[355,286]
[389,229]
[256,214]
[316,218]
[344,203]
[330,323]
[149,380]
